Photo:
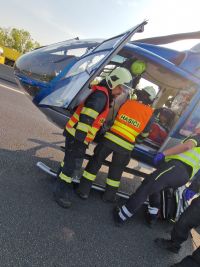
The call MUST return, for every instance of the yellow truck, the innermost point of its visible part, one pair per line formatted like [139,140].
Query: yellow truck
[8,55]
[2,58]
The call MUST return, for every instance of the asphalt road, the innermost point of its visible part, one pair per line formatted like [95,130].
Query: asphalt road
[6,74]
[34,230]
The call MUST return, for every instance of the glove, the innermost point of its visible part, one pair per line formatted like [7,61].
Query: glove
[188,194]
[159,158]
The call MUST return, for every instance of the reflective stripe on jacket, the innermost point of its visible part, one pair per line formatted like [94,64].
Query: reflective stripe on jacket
[131,120]
[99,119]
[190,157]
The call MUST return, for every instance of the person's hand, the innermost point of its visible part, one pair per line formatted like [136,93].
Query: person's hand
[188,194]
[159,158]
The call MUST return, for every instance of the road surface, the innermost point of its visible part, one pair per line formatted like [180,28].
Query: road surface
[35,231]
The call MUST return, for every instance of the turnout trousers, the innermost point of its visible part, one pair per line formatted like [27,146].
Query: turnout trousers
[73,150]
[169,174]
[119,162]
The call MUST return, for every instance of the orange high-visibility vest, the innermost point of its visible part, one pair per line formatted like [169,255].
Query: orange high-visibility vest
[130,121]
[98,122]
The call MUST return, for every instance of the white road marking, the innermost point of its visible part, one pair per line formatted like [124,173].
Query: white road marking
[10,88]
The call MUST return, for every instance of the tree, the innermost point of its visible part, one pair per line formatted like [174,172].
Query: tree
[18,39]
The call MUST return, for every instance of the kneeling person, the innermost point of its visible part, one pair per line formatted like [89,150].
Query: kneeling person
[178,165]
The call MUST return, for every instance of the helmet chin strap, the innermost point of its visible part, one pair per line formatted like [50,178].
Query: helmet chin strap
[132,94]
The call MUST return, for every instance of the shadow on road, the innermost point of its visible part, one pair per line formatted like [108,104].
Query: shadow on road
[39,233]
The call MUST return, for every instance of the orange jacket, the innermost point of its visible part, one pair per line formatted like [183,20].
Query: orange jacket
[130,121]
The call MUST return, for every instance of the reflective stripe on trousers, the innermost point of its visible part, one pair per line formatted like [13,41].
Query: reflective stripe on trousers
[112,183]
[89,176]
[65,178]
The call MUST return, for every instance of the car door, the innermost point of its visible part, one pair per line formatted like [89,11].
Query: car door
[85,70]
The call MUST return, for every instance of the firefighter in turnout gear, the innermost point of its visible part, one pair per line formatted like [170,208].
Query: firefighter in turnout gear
[177,165]
[129,123]
[83,125]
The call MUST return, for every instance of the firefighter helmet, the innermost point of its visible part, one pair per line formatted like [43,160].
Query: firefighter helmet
[138,67]
[151,91]
[119,76]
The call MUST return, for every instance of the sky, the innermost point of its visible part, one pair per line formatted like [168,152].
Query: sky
[50,21]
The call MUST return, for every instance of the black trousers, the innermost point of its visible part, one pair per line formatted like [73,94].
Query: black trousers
[181,230]
[155,199]
[170,174]
[73,150]
[116,168]
[189,219]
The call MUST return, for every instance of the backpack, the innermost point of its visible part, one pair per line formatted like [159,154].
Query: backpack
[173,203]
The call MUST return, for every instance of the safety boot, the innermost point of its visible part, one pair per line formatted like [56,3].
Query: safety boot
[151,219]
[83,190]
[61,195]
[117,219]
[167,244]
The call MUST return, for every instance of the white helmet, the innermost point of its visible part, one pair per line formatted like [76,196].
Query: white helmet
[151,91]
[119,76]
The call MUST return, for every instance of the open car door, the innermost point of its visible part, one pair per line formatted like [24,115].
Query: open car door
[79,75]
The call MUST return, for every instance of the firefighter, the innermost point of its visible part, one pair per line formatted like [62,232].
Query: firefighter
[83,125]
[155,202]
[130,121]
[177,165]
[180,232]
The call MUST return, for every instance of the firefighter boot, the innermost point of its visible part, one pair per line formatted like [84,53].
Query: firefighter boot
[116,217]
[83,190]
[61,195]
[152,215]
[110,194]
[151,219]
[168,244]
